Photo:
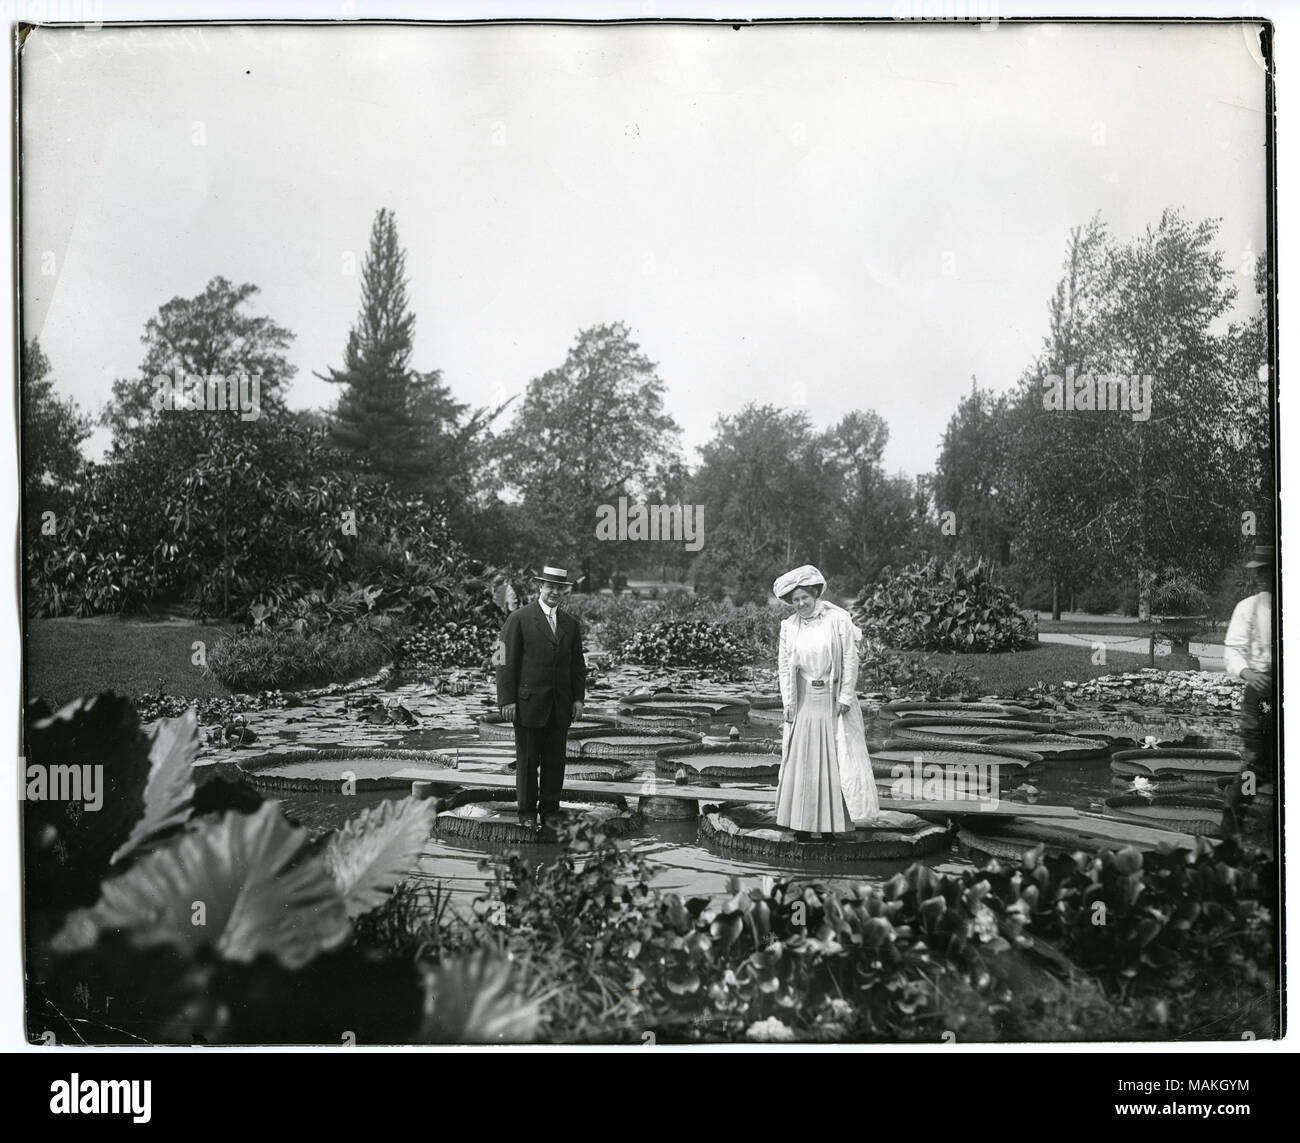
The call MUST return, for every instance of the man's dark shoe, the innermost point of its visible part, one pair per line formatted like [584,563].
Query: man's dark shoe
[802,835]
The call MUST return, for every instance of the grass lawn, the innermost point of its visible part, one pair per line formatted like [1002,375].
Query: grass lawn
[66,658]
[1006,673]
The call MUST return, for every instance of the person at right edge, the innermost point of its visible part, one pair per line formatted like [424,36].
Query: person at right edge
[1248,655]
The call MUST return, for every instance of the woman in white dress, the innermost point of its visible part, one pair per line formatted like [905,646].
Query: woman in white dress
[826,785]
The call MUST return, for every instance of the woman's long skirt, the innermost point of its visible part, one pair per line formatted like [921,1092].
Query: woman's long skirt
[809,795]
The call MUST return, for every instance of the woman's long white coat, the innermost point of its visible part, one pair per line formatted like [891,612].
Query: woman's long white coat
[850,733]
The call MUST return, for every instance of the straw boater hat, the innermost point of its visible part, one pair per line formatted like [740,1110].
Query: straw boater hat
[806,576]
[549,574]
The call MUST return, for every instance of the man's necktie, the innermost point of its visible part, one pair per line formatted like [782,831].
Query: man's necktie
[550,618]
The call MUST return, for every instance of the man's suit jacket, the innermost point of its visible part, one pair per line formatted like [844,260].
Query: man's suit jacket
[539,671]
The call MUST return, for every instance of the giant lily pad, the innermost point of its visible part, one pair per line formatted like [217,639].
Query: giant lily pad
[754,832]
[721,706]
[965,729]
[1190,813]
[1065,747]
[1175,761]
[756,760]
[629,743]
[959,756]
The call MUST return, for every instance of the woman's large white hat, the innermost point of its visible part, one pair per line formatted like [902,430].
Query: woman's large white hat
[806,576]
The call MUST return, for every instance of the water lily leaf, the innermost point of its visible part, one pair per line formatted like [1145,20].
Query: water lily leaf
[876,932]
[922,879]
[727,927]
[377,849]
[699,943]
[931,910]
[247,878]
[1147,930]
[169,791]
[682,981]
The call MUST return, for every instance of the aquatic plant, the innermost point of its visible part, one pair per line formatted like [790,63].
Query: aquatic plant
[150,919]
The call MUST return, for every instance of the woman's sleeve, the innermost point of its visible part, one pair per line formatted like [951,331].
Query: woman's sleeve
[783,666]
[849,668]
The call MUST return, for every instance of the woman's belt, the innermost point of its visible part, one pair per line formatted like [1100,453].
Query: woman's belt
[814,682]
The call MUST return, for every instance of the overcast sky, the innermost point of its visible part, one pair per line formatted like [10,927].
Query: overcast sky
[851,217]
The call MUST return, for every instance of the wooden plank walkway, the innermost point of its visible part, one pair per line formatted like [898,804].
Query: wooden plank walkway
[654,787]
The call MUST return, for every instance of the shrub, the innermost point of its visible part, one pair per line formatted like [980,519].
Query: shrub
[954,608]
[259,515]
[621,626]
[687,643]
[251,661]
[428,649]
[883,670]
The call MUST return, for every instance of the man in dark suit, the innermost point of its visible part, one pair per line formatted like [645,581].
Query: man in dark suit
[541,685]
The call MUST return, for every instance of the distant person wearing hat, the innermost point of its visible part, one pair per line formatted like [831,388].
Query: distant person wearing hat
[1248,655]
[825,785]
[541,685]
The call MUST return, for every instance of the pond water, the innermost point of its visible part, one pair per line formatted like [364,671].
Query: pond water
[686,864]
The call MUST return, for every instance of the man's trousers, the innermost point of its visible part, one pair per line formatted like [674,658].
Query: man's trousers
[539,766]
[1258,754]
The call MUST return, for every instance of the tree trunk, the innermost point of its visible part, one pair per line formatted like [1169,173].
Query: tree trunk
[1056,600]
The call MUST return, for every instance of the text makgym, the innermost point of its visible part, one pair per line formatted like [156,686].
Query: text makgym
[76,1096]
